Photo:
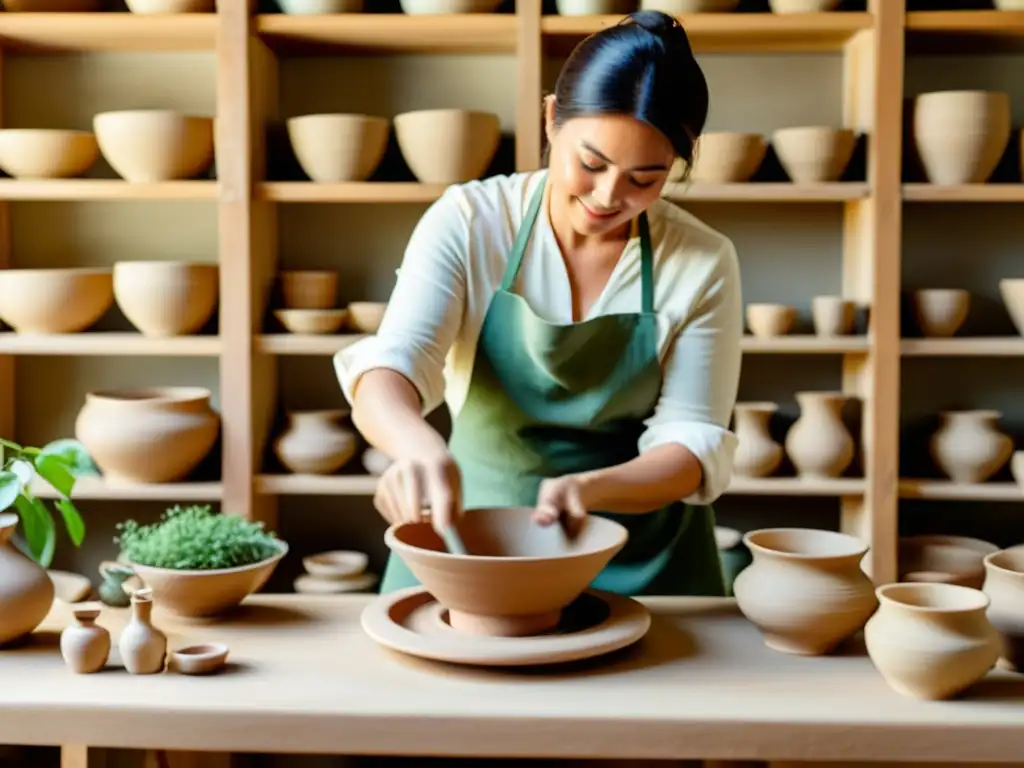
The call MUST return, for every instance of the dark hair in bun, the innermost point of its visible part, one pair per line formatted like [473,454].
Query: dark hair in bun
[643,67]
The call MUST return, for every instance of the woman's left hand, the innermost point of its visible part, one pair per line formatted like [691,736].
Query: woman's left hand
[560,499]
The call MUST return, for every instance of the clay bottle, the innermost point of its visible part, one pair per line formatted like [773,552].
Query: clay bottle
[143,647]
[85,645]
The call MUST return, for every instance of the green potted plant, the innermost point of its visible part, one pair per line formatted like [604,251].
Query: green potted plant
[197,562]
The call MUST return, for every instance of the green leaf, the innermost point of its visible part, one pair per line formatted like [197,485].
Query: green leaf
[10,487]
[9,444]
[29,451]
[72,454]
[72,521]
[40,531]
[56,472]
[23,470]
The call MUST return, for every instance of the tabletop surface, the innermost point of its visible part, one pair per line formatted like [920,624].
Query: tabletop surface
[304,677]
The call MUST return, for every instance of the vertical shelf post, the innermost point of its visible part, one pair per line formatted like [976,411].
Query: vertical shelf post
[529,59]
[7,382]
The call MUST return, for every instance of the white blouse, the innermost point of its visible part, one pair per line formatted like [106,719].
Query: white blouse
[455,260]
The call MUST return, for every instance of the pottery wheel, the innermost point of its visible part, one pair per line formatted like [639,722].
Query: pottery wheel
[413,622]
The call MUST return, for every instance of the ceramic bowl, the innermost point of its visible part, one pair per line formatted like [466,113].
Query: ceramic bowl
[166,298]
[151,145]
[366,316]
[447,146]
[54,300]
[318,321]
[814,154]
[336,564]
[338,147]
[518,576]
[29,153]
[420,7]
[202,659]
[171,6]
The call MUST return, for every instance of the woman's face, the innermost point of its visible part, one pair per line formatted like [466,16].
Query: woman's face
[604,170]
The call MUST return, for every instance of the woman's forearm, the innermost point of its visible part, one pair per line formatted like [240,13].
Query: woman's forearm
[661,476]
[386,410]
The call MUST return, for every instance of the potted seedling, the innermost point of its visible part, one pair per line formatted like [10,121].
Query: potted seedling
[197,562]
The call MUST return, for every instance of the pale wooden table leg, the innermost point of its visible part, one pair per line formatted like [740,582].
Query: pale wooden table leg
[75,756]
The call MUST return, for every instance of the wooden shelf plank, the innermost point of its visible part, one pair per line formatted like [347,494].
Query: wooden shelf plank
[807,345]
[964,193]
[796,486]
[984,22]
[739,32]
[770,192]
[982,346]
[349,192]
[950,491]
[107,343]
[305,344]
[389,33]
[105,189]
[98,488]
[105,32]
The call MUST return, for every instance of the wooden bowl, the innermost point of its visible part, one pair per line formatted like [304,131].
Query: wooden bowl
[314,321]
[40,153]
[150,145]
[54,300]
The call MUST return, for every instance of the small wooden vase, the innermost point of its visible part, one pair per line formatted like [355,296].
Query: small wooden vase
[143,647]
[85,645]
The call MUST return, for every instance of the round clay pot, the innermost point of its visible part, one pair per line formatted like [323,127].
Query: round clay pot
[166,298]
[931,641]
[54,300]
[40,153]
[155,435]
[421,7]
[818,443]
[676,7]
[769,320]
[833,315]
[726,157]
[26,591]
[815,153]
[802,6]
[51,6]
[447,146]
[309,289]
[805,590]
[171,6]
[1004,586]
[338,147]
[319,7]
[314,443]
[968,445]
[1012,293]
[757,455]
[150,145]
[940,312]
[961,135]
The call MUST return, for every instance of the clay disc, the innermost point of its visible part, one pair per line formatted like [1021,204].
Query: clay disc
[412,621]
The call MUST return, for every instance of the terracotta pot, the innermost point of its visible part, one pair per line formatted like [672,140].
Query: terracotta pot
[155,435]
[961,135]
[940,312]
[833,315]
[26,591]
[150,145]
[447,146]
[40,153]
[968,445]
[1012,292]
[768,320]
[166,298]
[1004,586]
[805,590]
[314,443]
[725,157]
[309,288]
[818,443]
[338,147]
[815,153]
[54,300]
[757,454]
[931,641]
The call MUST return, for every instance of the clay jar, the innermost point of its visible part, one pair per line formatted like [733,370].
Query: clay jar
[805,590]
[26,590]
[960,136]
[818,443]
[142,646]
[969,447]
[757,454]
[314,443]
[84,644]
[931,641]
[155,435]
[1004,586]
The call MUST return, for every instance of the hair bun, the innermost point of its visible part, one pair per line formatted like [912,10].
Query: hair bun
[663,26]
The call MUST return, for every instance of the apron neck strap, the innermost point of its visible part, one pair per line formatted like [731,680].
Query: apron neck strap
[515,258]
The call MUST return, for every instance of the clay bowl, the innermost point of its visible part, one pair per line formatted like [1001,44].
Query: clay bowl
[201,594]
[941,311]
[319,7]
[947,559]
[202,659]
[171,6]
[675,7]
[150,145]
[309,289]
[313,321]
[520,575]
[802,6]
[39,153]
[49,6]
[1012,292]
[769,320]
[366,316]
[338,564]
[54,300]
[725,157]
[447,146]
[166,298]
[418,7]
[338,147]
[813,154]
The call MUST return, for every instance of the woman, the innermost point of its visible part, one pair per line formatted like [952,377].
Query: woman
[584,332]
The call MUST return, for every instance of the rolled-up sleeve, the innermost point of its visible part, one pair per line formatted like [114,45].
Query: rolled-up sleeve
[700,383]
[425,310]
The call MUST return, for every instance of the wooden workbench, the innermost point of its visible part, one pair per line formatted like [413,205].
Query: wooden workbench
[304,678]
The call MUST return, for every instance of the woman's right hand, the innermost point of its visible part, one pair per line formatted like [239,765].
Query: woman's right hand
[412,489]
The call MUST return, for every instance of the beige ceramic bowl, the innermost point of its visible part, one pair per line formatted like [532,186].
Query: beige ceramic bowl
[366,316]
[319,321]
[419,7]
[675,7]
[40,153]
[54,300]
[309,288]
[447,146]
[725,157]
[318,7]
[518,577]
[166,298]
[338,147]
[150,145]
[814,154]
[802,6]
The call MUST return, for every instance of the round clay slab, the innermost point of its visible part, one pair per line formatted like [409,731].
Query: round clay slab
[411,621]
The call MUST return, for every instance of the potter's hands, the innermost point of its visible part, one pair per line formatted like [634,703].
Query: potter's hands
[411,489]
[561,499]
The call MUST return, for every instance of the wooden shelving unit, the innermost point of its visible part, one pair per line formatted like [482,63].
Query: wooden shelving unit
[872,44]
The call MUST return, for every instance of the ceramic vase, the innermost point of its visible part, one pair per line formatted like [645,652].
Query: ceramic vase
[1004,587]
[85,645]
[818,443]
[961,135]
[111,590]
[143,647]
[26,590]
[804,589]
[931,641]
[156,435]
[757,454]
[314,443]
[968,445]
[940,312]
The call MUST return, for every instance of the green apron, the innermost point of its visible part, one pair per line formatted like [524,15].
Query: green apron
[547,400]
